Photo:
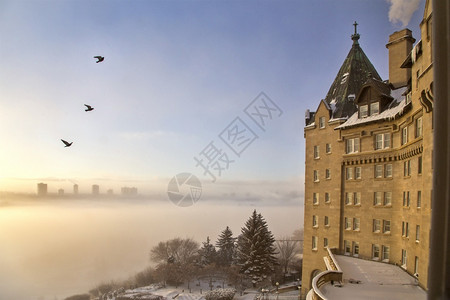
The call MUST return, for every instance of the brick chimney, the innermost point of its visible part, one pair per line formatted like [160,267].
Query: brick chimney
[400,45]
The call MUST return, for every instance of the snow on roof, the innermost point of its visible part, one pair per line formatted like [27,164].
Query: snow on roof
[396,108]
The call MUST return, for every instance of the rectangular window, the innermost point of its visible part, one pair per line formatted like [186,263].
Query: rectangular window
[416,266]
[326,221]
[348,223]
[356,224]
[327,198]
[376,225]
[348,198]
[314,243]
[388,170]
[316,198]
[327,174]
[374,108]
[385,254]
[419,199]
[352,145]
[315,221]
[404,135]
[316,152]
[363,111]
[322,122]
[325,242]
[405,229]
[403,261]
[386,226]
[316,175]
[357,198]
[357,172]
[417,233]
[419,165]
[407,168]
[328,148]
[387,198]
[355,249]
[378,171]
[347,248]
[349,173]
[382,141]
[406,199]
[419,127]
[375,252]
[377,198]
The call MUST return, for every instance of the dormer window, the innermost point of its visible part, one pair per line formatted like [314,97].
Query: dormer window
[363,111]
[374,108]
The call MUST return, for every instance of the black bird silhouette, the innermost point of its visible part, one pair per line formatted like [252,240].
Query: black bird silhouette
[99,58]
[66,143]
[88,108]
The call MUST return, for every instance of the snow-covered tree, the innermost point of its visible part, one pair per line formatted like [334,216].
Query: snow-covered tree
[255,249]
[226,244]
[207,253]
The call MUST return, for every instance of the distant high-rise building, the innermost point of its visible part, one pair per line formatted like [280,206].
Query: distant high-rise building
[42,189]
[110,192]
[75,189]
[129,191]
[61,192]
[95,189]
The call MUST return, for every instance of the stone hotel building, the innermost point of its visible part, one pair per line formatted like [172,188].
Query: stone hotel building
[369,151]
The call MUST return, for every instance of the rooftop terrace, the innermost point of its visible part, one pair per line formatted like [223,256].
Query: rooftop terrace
[376,281]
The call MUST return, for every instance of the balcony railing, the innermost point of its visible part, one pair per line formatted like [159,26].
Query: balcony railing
[332,274]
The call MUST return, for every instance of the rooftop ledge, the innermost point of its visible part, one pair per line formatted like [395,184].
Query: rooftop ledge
[356,278]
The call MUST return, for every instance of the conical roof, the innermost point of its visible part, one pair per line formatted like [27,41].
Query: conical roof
[353,73]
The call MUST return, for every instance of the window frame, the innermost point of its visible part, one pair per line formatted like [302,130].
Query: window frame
[387,226]
[372,106]
[418,127]
[376,225]
[316,152]
[363,111]
[322,122]
[404,133]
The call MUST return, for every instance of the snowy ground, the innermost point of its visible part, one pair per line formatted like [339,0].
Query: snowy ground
[195,291]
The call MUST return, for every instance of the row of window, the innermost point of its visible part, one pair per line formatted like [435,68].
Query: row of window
[380,171]
[378,226]
[383,140]
[379,198]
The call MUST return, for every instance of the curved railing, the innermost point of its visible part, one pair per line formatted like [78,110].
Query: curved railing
[333,273]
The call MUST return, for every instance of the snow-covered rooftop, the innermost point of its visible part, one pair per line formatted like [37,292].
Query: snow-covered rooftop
[396,108]
[376,281]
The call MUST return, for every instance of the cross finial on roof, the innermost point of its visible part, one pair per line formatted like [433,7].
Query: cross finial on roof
[355,36]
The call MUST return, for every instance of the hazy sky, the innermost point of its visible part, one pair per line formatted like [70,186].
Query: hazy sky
[176,75]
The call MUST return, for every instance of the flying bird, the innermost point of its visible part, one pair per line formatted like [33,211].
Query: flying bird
[99,58]
[88,108]
[66,143]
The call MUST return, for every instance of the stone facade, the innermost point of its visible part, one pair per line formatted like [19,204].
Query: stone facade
[368,177]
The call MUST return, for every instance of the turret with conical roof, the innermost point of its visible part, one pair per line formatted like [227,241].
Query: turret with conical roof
[353,73]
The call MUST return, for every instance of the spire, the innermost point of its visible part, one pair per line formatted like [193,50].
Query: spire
[353,73]
[355,36]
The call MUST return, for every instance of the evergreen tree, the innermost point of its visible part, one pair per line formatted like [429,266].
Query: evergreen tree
[226,247]
[256,249]
[207,253]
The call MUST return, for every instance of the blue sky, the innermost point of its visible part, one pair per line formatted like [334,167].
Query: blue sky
[175,75]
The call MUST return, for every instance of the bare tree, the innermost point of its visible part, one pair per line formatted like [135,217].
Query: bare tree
[177,250]
[174,258]
[287,250]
